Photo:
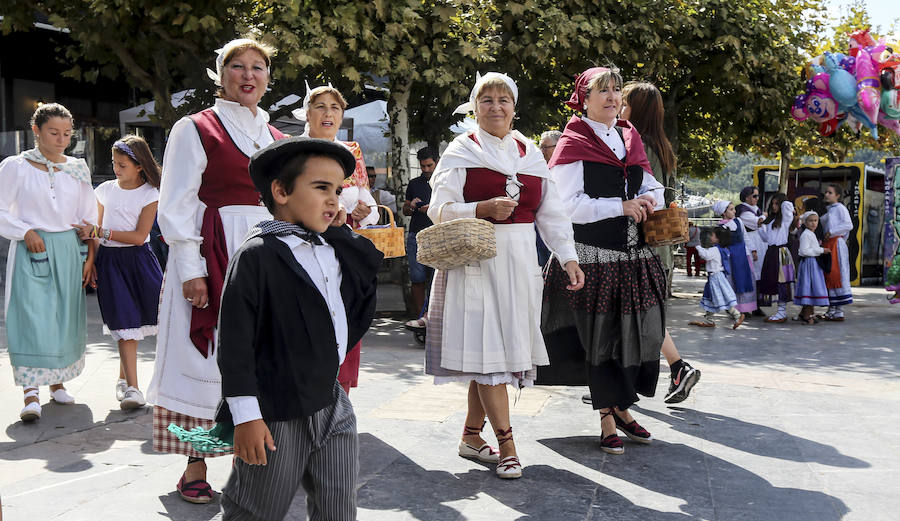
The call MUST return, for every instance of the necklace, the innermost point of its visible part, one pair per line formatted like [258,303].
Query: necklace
[255,140]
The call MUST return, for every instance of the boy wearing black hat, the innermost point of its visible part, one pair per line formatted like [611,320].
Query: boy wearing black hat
[297,294]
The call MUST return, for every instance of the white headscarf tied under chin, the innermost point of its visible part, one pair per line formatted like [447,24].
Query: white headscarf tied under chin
[807,214]
[301,112]
[220,59]
[480,80]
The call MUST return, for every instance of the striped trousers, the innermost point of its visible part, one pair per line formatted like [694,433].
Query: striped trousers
[319,453]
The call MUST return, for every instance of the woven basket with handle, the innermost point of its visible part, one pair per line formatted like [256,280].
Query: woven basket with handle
[666,227]
[388,240]
[455,243]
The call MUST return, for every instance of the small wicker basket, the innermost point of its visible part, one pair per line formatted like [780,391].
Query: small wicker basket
[666,227]
[455,243]
[389,240]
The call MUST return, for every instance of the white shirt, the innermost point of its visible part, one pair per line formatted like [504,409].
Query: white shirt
[28,201]
[779,236]
[321,264]
[750,219]
[837,221]
[550,218]
[122,208]
[351,196]
[584,209]
[809,245]
[713,258]
[180,211]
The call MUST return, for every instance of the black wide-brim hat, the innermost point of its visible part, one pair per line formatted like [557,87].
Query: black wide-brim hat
[266,164]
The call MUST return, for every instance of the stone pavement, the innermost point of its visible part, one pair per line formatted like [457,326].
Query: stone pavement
[789,422]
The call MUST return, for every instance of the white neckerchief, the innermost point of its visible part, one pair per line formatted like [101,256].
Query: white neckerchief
[74,167]
[493,153]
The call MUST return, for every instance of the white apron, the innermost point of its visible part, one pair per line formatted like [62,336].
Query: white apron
[753,241]
[492,308]
[183,380]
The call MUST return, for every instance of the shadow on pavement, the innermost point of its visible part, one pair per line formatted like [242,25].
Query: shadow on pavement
[710,487]
[753,438]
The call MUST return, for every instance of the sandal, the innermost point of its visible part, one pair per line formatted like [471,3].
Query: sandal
[198,491]
[508,467]
[633,430]
[611,444]
[484,453]
[415,324]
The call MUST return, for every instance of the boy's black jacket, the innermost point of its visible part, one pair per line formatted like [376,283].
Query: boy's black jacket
[276,338]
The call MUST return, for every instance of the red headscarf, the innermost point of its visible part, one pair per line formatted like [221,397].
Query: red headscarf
[579,142]
[576,101]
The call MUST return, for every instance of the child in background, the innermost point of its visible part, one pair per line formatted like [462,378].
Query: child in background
[690,250]
[811,290]
[777,277]
[128,274]
[717,294]
[741,273]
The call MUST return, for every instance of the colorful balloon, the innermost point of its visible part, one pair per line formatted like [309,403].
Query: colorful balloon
[798,110]
[868,94]
[891,124]
[890,103]
[841,84]
[820,106]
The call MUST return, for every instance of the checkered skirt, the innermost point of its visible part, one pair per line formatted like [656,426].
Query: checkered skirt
[165,441]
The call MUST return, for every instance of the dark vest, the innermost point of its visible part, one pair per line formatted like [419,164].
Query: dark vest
[602,180]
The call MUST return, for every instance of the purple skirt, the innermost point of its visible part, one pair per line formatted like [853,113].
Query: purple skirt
[128,284]
[811,290]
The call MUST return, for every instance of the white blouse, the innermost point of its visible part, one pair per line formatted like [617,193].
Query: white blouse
[837,221]
[122,208]
[750,219]
[584,209]
[180,212]
[551,218]
[713,258]
[809,245]
[28,201]
[779,236]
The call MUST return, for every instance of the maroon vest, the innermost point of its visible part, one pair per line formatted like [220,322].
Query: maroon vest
[226,181]
[483,184]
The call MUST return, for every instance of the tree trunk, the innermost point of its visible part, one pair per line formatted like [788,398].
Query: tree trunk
[398,114]
[670,123]
[784,171]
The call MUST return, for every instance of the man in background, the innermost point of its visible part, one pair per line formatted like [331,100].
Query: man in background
[418,195]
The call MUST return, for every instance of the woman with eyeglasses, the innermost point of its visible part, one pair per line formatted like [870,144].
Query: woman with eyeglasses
[750,214]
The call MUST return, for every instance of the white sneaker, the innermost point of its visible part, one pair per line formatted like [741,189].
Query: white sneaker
[121,387]
[62,397]
[31,412]
[133,399]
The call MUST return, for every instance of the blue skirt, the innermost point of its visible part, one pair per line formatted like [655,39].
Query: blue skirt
[128,284]
[810,290]
[718,294]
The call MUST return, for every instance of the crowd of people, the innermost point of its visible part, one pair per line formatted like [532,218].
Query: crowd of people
[261,255]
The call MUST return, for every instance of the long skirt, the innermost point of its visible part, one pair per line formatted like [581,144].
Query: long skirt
[838,279]
[46,319]
[616,323]
[184,381]
[811,290]
[718,294]
[484,317]
[128,283]
[742,277]
[778,273]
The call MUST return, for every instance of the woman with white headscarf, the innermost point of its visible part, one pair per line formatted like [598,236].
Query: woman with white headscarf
[207,202]
[323,111]
[484,317]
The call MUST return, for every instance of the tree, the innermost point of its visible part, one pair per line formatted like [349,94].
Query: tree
[157,46]
[726,68]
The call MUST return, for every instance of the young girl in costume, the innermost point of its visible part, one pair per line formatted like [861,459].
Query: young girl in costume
[128,275]
[837,226]
[778,266]
[811,289]
[742,276]
[44,194]
[717,294]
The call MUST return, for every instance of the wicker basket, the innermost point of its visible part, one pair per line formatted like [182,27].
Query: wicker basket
[455,243]
[666,227]
[388,240]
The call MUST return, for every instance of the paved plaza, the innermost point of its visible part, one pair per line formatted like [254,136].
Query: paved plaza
[789,422]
